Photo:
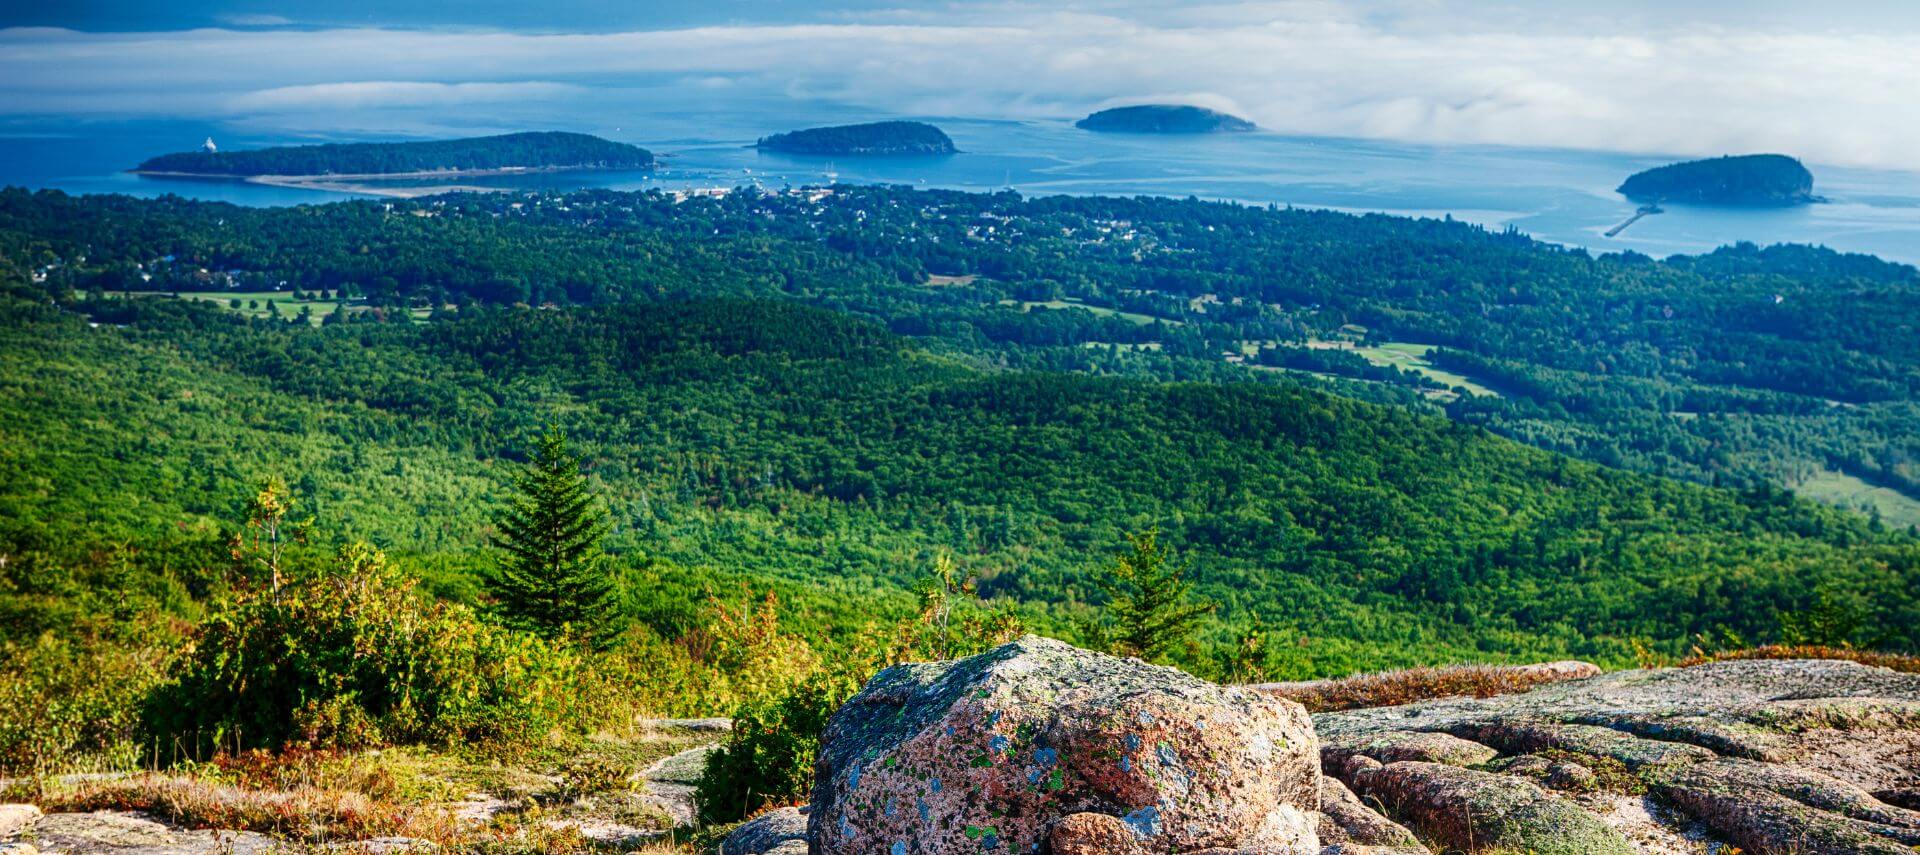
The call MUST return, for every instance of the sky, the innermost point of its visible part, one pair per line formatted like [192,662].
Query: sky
[1833,82]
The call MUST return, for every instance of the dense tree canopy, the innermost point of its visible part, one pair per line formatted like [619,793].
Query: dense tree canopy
[1784,366]
[871,138]
[531,150]
[825,454]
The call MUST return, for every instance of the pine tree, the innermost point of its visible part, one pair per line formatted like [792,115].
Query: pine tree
[1150,603]
[553,579]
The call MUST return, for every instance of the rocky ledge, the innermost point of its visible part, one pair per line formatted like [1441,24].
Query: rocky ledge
[1040,747]
[1771,756]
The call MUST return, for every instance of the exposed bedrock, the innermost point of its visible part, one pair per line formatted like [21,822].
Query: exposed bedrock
[1771,756]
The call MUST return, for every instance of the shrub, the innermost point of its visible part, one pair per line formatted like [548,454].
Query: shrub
[297,813]
[352,656]
[1901,662]
[768,757]
[588,775]
[1392,688]
[65,707]
[767,760]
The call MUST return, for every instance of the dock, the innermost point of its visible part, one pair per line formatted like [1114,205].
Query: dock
[1645,211]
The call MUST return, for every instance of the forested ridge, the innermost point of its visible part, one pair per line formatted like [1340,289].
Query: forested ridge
[761,440]
[1742,367]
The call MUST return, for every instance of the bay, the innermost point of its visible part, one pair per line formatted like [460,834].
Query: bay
[1560,196]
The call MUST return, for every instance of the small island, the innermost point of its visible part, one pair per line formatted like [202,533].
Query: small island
[346,166]
[896,138]
[1746,180]
[1164,119]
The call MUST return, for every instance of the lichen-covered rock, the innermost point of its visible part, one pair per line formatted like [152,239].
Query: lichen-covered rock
[1906,797]
[1472,809]
[1808,757]
[993,752]
[1395,746]
[1756,815]
[1349,827]
[1633,752]
[17,818]
[129,833]
[768,834]
[1094,834]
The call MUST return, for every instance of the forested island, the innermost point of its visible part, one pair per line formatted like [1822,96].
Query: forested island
[894,138]
[1750,180]
[538,150]
[1164,119]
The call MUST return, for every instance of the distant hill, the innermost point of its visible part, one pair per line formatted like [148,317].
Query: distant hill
[532,150]
[1164,119]
[1754,179]
[871,138]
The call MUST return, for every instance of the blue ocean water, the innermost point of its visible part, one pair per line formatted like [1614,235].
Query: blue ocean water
[1562,196]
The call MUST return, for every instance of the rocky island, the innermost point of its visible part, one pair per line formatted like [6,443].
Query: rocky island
[1164,119]
[896,138]
[342,166]
[1747,180]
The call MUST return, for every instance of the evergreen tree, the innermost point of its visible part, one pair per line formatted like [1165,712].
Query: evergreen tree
[1150,602]
[553,579]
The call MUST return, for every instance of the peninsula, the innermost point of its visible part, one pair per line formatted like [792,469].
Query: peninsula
[1164,119]
[345,166]
[1746,180]
[896,138]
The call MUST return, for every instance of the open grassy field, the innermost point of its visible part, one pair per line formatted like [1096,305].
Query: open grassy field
[1072,303]
[1839,488]
[254,303]
[1412,357]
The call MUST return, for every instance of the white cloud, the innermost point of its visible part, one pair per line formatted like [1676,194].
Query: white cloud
[384,94]
[248,19]
[1420,70]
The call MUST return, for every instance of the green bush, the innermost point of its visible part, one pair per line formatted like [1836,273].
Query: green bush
[65,707]
[588,775]
[768,758]
[353,656]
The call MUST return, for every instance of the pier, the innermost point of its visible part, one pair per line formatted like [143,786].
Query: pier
[1645,211]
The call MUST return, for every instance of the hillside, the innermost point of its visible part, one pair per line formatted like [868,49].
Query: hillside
[534,150]
[822,454]
[895,138]
[1784,366]
[1164,119]
[1754,179]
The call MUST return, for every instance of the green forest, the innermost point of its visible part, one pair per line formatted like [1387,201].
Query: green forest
[1754,179]
[805,417]
[916,138]
[1787,366]
[529,150]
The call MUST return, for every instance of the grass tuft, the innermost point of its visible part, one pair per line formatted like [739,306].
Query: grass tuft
[1904,663]
[1393,688]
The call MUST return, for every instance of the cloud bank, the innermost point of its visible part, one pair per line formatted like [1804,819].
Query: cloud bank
[1436,72]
